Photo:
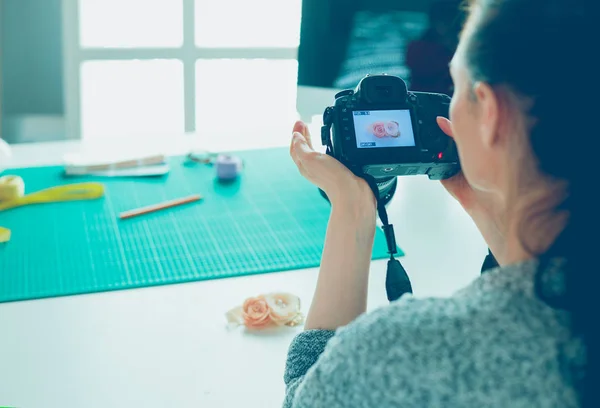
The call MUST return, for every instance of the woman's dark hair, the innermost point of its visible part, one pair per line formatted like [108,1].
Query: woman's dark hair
[537,50]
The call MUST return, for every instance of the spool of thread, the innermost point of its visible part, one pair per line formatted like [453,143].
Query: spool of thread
[11,187]
[228,167]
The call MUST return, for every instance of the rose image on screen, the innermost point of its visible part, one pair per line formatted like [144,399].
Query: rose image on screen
[392,128]
[378,129]
[383,129]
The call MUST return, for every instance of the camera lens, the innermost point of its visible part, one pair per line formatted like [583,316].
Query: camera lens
[387,188]
[385,185]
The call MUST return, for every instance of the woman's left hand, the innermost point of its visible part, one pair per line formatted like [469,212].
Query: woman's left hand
[325,172]
[344,267]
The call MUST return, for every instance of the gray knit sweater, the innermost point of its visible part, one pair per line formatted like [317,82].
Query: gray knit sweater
[492,344]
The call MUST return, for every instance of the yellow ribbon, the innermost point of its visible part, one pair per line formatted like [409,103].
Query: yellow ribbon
[13,196]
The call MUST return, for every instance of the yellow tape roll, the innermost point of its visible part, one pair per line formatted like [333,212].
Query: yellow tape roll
[11,187]
[4,235]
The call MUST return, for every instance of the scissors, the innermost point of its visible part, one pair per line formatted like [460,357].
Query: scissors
[203,156]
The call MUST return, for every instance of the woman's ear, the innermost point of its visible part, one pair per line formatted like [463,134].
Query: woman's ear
[489,112]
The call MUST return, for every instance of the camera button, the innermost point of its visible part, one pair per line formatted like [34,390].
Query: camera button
[388,169]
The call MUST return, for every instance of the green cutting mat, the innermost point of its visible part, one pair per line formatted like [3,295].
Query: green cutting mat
[270,220]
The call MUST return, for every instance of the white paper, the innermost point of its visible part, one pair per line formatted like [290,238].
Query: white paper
[145,171]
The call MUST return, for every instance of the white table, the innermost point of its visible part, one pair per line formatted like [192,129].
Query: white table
[169,345]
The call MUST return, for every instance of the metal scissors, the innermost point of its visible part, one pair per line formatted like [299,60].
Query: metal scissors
[203,156]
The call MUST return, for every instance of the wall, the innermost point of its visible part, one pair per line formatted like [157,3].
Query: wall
[32,72]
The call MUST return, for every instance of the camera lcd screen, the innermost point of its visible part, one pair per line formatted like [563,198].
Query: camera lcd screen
[383,128]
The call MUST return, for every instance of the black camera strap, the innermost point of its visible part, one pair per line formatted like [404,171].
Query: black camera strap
[397,282]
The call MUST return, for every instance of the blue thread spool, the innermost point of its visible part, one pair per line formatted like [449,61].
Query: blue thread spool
[228,167]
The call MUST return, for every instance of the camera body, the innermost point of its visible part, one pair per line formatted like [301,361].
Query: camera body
[383,130]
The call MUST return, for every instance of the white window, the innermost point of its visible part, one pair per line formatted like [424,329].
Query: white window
[135,68]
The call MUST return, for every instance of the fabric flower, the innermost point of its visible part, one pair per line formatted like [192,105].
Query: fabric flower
[256,313]
[280,309]
[235,316]
[392,129]
[284,307]
[378,129]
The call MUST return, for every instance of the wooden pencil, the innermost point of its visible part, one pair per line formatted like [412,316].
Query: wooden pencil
[159,206]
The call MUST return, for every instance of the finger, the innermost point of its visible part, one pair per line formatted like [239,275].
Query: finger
[298,128]
[445,125]
[292,143]
[297,154]
[300,149]
[301,127]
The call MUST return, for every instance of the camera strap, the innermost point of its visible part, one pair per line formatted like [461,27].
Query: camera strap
[397,282]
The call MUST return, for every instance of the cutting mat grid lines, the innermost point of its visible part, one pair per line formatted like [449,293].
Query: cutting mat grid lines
[270,220]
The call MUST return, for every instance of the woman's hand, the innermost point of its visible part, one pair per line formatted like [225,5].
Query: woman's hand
[340,184]
[483,207]
[342,287]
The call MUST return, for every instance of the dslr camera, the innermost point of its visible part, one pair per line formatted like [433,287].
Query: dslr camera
[383,130]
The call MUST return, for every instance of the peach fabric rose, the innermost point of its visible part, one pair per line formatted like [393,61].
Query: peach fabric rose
[378,129]
[392,129]
[256,313]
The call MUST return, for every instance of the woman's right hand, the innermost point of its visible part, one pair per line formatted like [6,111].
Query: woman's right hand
[483,207]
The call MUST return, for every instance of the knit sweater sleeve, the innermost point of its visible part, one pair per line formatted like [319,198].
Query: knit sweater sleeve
[353,366]
[304,352]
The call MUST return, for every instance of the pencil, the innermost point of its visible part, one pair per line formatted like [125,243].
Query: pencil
[159,206]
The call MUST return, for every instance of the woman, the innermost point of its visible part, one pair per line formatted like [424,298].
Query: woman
[521,335]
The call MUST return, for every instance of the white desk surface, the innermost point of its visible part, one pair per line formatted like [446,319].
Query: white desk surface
[168,346]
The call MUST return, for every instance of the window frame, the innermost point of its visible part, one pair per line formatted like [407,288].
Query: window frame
[74,56]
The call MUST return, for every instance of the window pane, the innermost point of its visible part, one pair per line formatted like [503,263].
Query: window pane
[131,23]
[243,23]
[238,98]
[131,98]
